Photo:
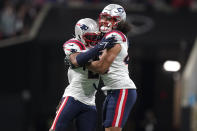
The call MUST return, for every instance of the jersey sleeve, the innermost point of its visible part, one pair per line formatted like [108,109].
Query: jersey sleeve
[119,36]
[73,45]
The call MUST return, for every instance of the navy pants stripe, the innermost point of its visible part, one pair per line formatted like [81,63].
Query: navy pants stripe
[117,107]
[59,112]
[71,109]
[120,108]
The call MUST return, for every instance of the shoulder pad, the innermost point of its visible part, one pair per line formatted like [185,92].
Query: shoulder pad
[73,44]
[117,34]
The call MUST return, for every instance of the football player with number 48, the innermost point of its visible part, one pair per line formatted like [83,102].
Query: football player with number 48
[78,101]
[113,65]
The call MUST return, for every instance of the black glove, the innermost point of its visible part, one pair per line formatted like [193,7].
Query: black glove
[106,43]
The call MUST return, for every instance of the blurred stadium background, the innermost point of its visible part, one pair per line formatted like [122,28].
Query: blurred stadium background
[33,76]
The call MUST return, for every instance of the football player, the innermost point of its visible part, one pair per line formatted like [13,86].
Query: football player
[113,65]
[78,101]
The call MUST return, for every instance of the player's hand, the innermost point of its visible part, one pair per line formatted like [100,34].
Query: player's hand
[67,62]
[107,43]
[67,58]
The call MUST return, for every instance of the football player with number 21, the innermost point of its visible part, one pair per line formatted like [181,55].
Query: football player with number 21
[78,100]
[113,67]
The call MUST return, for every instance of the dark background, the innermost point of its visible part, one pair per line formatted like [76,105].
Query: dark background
[33,76]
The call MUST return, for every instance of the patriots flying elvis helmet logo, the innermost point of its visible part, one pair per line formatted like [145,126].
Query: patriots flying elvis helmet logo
[83,26]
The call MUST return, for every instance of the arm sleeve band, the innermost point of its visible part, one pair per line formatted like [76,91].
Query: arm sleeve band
[84,57]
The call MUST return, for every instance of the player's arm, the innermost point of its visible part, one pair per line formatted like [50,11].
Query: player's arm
[71,50]
[85,57]
[106,59]
[73,59]
[102,66]
[77,59]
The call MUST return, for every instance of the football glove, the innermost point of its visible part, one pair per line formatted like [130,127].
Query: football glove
[106,43]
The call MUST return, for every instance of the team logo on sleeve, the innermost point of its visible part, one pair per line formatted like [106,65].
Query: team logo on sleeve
[113,35]
[73,50]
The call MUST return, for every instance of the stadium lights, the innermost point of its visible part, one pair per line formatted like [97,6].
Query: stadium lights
[171,66]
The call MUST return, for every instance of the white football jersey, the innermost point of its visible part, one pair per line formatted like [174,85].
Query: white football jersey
[80,80]
[118,75]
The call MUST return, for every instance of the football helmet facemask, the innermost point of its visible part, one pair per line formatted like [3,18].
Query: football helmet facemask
[110,16]
[87,31]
